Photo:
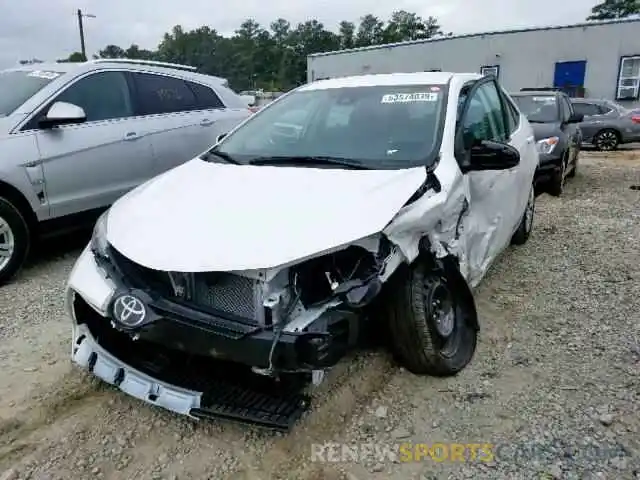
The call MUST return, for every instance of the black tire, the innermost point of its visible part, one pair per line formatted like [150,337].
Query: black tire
[17,234]
[523,232]
[574,170]
[556,184]
[411,312]
[606,140]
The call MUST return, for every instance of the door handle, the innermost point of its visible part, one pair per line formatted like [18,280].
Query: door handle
[206,123]
[131,136]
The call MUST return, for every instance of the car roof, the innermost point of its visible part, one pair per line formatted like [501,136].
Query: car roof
[81,67]
[62,67]
[389,79]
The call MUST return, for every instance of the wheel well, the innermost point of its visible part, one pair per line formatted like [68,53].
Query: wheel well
[450,266]
[14,195]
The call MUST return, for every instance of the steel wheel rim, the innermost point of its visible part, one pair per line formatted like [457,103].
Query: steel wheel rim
[528,213]
[443,314]
[607,140]
[7,243]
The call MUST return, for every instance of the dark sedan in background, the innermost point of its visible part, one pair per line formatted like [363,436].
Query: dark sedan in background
[558,136]
[606,124]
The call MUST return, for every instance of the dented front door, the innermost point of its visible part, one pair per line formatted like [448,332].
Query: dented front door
[493,198]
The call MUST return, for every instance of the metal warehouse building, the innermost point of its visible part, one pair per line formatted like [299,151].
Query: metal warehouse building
[598,59]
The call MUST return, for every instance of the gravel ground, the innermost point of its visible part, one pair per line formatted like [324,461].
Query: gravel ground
[554,387]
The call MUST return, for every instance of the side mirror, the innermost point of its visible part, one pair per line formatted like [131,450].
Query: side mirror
[63,113]
[488,155]
[576,118]
[220,137]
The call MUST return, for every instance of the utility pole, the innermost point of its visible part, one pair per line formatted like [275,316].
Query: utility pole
[83,48]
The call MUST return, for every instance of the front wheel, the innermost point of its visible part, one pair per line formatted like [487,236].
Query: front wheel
[14,240]
[556,184]
[430,324]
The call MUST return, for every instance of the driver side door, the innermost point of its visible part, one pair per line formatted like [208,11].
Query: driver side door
[90,165]
[496,198]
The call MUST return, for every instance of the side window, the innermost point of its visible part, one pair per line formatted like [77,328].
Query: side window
[566,109]
[604,109]
[103,96]
[206,98]
[512,114]
[161,94]
[485,116]
[586,109]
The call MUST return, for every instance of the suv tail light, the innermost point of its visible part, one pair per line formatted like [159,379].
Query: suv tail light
[254,109]
[635,118]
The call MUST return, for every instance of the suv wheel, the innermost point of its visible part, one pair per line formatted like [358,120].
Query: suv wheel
[429,322]
[606,140]
[14,240]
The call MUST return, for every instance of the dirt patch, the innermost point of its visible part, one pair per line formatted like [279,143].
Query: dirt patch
[558,361]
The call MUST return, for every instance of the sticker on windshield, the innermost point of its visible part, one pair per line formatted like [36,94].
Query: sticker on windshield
[43,74]
[409,97]
[544,99]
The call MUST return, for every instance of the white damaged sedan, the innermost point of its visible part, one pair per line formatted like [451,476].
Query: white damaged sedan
[344,202]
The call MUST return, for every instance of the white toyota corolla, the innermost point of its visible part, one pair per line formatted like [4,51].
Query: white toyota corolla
[347,201]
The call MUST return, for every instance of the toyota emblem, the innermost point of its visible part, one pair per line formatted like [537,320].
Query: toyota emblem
[129,310]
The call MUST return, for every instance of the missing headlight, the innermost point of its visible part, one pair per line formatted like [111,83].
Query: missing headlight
[321,278]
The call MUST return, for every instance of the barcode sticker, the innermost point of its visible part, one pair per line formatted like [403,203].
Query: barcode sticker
[409,97]
[43,74]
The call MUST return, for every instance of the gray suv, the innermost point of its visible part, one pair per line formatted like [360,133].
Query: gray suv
[74,137]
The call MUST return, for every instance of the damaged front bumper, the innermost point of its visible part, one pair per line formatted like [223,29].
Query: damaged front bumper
[188,364]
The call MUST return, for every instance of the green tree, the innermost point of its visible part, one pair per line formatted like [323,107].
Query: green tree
[370,31]
[309,37]
[111,51]
[73,58]
[404,26]
[254,57]
[283,53]
[610,9]
[347,34]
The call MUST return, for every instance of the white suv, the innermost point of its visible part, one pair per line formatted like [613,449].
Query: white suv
[75,137]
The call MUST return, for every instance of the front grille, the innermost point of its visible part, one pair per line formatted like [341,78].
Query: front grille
[228,293]
[219,292]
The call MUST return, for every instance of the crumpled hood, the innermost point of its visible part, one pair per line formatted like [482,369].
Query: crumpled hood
[205,216]
[546,130]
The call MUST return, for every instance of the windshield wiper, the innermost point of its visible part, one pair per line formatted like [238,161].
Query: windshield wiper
[225,156]
[308,161]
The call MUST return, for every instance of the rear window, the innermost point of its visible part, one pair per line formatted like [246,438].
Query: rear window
[538,108]
[18,86]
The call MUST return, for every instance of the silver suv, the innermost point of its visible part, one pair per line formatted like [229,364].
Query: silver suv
[74,137]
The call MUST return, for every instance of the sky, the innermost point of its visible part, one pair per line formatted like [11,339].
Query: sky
[48,29]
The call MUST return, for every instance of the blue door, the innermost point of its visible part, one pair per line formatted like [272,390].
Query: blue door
[569,76]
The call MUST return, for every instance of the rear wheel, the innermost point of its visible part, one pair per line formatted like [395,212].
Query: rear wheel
[606,140]
[526,223]
[14,240]
[430,324]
